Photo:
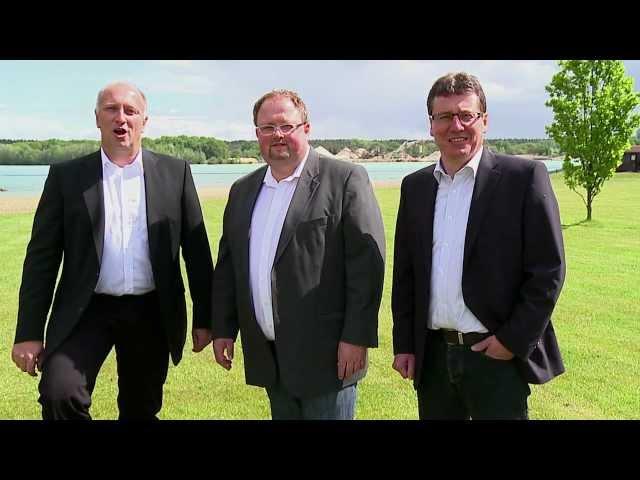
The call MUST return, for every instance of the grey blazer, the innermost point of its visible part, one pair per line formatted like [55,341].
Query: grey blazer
[326,280]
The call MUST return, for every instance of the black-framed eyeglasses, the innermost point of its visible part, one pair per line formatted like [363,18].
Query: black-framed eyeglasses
[286,129]
[465,118]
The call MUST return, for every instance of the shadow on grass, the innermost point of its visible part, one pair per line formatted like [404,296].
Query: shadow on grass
[581,222]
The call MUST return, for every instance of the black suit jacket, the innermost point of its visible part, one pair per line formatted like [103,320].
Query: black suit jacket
[513,267]
[326,280]
[69,226]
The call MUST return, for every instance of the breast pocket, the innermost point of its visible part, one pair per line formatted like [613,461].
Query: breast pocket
[307,251]
[310,224]
[310,234]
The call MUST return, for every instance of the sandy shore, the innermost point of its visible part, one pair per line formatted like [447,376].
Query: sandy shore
[17,204]
[386,183]
[23,204]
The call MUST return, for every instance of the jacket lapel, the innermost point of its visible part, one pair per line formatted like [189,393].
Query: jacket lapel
[487,178]
[248,199]
[94,201]
[428,203]
[154,194]
[307,186]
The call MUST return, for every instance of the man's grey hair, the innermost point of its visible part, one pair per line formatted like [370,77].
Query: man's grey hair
[128,84]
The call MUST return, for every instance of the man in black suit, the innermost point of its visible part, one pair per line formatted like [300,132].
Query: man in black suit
[300,270]
[117,219]
[478,268]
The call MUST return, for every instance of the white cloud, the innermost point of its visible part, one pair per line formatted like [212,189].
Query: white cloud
[180,83]
[36,127]
[198,126]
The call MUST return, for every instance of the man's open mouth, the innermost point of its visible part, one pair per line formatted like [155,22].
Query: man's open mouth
[120,131]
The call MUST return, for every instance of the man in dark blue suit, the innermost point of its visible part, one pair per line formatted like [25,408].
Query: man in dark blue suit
[478,268]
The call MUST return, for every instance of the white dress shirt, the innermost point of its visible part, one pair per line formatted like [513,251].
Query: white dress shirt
[125,268]
[266,225]
[453,200]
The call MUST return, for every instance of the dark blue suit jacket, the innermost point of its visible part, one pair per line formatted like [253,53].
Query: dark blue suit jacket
[513,267]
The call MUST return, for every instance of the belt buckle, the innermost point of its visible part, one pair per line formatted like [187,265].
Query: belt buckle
[460,338]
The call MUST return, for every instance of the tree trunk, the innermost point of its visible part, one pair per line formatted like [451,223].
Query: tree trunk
[589,202]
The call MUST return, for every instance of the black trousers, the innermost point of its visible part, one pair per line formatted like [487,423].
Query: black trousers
[460,384]
[133,325]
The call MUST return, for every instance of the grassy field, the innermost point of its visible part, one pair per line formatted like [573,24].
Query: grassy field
[596,321]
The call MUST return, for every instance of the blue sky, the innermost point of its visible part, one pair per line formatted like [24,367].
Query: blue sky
[346,99]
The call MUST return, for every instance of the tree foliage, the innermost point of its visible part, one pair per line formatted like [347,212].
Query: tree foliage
[192,149]
[211,150]
[593,103]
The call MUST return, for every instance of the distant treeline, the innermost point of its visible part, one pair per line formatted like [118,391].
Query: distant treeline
[212,150]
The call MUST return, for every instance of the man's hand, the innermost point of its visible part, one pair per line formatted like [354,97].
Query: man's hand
[405,364]
[26,355]
[223,352]
[492,347]
[351,359]
[201,338]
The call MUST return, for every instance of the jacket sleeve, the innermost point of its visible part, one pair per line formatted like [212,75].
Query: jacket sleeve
[42,261]
[225,314]
[364,251]
[402,293]
[196,253]
[543,267]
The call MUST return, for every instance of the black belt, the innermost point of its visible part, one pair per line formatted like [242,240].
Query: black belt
[453,337]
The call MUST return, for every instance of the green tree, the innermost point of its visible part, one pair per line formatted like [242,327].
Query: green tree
[593,103]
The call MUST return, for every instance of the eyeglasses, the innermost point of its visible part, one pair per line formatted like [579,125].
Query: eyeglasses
[286,129]
[465,118]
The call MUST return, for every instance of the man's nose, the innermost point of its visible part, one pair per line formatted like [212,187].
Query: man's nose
[120,117]
[456,124]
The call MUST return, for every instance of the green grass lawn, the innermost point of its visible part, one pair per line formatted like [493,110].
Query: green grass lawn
[596,321]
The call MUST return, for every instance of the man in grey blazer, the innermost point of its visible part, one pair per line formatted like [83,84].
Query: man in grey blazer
[117,220]
[300,270]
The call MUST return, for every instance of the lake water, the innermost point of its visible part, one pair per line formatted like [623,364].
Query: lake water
[28,180]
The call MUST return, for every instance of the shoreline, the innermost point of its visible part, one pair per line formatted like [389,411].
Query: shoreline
[19,203]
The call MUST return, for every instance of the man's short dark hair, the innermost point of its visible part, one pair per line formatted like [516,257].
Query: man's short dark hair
[460,83]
